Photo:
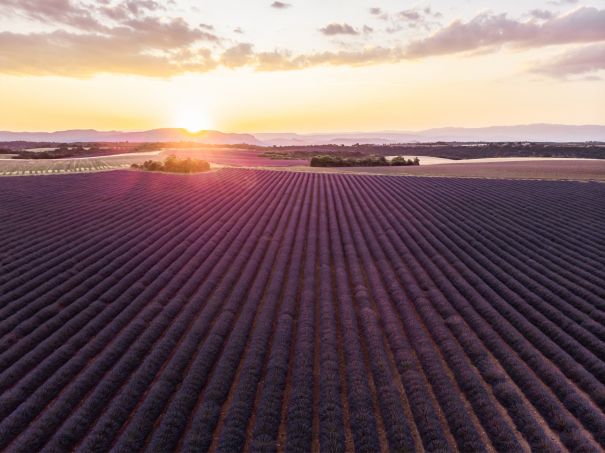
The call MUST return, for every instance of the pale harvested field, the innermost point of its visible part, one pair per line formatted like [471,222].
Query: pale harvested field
[218,157]
[24,167]
[572,169]
[429,160]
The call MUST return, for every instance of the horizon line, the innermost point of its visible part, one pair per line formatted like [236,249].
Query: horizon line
[361,131]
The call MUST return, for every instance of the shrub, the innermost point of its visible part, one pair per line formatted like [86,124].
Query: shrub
[400,161]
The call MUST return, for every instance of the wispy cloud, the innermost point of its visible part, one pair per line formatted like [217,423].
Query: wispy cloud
[338,29]
[285,60]
[51,11]
[410,14]
[237,56]
[79,55]
[542,14]
[280,5]
[413,18]
[585,60]
[583,25]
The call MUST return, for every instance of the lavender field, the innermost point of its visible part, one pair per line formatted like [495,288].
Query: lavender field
[282,311]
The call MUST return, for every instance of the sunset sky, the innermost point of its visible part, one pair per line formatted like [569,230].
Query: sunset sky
[299,66]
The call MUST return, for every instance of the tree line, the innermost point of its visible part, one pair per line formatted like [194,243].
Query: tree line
[367,161]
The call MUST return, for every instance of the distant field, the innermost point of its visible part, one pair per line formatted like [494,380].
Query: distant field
[25,167]
[220,157]
[282,311]
[528,168]
[428,160]
[566,169]
[452,150]
[233,157]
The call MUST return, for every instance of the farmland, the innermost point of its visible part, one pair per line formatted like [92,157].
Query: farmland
[564,169]
[233,157]
[215,155]
[23,167]
[296,311]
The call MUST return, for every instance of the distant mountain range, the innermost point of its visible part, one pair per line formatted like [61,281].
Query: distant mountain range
[155,135]
[532,132]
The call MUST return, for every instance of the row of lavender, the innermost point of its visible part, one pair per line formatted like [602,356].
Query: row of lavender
[269,310]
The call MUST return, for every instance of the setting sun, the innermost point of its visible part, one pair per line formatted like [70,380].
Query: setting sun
[193,119]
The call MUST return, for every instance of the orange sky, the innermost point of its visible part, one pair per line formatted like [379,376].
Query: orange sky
[370,66]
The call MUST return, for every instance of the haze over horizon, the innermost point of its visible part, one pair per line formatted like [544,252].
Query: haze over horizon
[307,67]
[532,133]
[293,131]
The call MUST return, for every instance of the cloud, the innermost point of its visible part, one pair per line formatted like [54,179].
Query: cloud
[51,11]
[429,12]
[418,14]
[128,15]
[355,57]
[585,24]
[275,61]
[585,60]
[413,18]
[78,15]
[379,13]
[338,29]
[285,60]
[78,55]
[134,43]
[541,14]
[157,34]
[132,39]
[237,56]
[280,5]
[136,7]
[129,8]
[411,15]
[139,37]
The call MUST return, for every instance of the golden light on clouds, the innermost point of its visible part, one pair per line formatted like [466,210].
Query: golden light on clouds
[311,67]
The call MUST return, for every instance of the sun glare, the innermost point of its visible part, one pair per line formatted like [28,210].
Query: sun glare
[194,120]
